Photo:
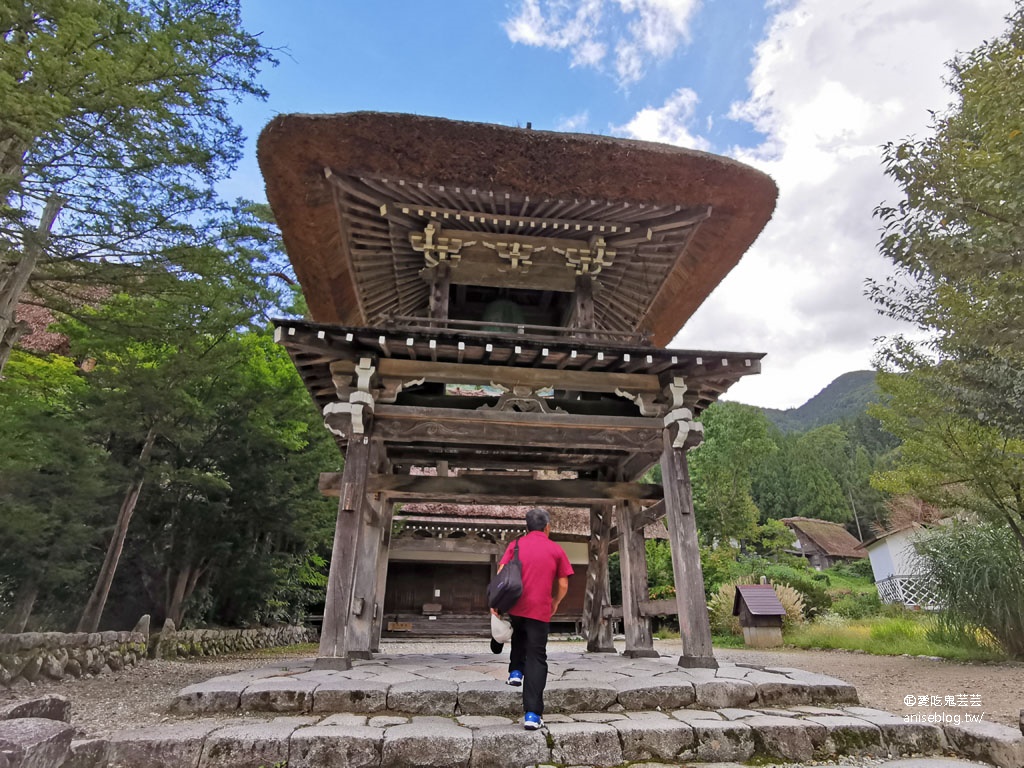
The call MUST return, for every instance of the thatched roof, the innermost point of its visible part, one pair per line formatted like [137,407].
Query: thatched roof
[348,191]
[39,338]
[831,538]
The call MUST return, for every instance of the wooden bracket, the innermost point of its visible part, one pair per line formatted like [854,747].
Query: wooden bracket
[517,254]
[645,401]
[688,433]
[590,260]
[390,387]
[351,418]
[436,248]
[513,401]
[676,392]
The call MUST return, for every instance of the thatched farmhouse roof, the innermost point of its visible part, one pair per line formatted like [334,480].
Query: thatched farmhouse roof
[353,192]
[831,538]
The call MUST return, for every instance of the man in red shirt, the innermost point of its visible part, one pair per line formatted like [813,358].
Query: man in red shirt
[546,572]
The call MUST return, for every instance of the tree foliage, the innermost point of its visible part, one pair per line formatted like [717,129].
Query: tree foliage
[54,485]
[735,441]
[948,460]
[117,113]
[188,403]
[956,239]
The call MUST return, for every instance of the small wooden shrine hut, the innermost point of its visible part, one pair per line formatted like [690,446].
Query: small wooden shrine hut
[489,307]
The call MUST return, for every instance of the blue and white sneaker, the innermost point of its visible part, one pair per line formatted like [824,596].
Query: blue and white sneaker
[532,721]
[515,678]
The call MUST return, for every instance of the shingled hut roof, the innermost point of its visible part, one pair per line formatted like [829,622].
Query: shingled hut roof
[348,189]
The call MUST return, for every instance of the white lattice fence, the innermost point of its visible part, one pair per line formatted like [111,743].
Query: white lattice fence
[912,591]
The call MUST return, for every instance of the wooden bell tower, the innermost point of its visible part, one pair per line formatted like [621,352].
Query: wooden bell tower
[489,306]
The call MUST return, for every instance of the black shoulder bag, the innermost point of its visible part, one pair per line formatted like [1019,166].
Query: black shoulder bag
[507,585]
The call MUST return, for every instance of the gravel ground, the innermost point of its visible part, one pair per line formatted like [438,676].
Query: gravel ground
[141,695]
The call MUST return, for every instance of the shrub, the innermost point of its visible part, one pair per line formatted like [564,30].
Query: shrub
[812,585]
[978,572]
[856,605]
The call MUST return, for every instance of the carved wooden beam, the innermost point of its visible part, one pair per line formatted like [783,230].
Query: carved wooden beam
[508,376]
[566,432]
[471,546]
[496,490]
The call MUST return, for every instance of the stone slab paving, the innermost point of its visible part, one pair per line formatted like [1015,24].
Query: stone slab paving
[413,710]
[605,739]
[447,684]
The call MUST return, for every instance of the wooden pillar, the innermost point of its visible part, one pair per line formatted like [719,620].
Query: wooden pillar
[348,531]
[596,628]
[694,627]
[382,576]
[633,565]
[364,585]
[439,291]
[583,308]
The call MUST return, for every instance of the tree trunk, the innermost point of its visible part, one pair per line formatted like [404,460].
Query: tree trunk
[90,620]
[24,600]
[14,280]
[184,585]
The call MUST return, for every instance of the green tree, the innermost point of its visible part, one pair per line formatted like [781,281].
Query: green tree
[54,485]
[735,441]
[948,460]
[233,509]
[956,239]
[114,114]
[159,356]
[821,474]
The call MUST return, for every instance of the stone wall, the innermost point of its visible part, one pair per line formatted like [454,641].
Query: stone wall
[29,656]
[213,642]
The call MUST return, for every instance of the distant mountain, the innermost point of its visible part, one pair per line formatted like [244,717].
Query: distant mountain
[847,396]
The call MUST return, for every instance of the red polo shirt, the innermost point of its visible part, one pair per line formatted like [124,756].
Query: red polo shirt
[543,563]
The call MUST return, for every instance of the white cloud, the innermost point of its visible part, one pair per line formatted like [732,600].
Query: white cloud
[639,31]
[668,124]
[574,123]
[831,82]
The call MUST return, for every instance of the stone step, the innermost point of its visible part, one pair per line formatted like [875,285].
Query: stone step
[472,687]
[592,739]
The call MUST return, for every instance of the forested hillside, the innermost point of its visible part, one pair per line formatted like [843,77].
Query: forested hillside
[847,397]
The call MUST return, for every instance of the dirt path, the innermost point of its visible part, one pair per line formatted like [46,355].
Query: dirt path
[142,695]
[884,681]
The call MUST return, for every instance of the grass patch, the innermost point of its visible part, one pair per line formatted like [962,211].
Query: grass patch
[911,635]
[727,641]
[304,649]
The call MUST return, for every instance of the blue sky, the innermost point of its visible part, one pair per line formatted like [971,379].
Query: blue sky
[806,90]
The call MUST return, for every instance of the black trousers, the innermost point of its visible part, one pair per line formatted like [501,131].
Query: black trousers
[529,655]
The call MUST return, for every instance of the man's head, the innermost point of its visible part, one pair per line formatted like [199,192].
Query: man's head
[537,519]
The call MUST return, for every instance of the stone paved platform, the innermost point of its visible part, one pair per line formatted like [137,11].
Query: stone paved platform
[473,684]
[453,709]
[484,741]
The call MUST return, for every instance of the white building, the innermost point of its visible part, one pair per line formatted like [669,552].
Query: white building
[894,566]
